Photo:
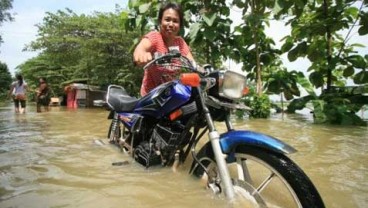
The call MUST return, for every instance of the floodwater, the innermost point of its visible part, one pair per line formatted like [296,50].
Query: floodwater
[62,158]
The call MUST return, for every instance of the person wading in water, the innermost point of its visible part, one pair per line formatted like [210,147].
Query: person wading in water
[18,90]
[43,95]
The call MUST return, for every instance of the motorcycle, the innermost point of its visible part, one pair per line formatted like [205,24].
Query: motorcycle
[165,126]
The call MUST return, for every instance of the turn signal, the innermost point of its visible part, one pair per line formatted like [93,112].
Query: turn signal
[176,114]
[190,79]
[245,90]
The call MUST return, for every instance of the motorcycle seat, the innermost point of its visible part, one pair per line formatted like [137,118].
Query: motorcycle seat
[120,101]
[123,103]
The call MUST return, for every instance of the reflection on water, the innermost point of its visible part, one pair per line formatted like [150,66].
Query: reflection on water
[51,160]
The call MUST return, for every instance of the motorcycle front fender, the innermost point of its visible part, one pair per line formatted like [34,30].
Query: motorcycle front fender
[230,140]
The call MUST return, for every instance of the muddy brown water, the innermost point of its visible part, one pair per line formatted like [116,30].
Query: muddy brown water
[57,159]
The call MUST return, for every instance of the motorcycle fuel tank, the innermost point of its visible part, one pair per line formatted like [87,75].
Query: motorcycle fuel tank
[164,99]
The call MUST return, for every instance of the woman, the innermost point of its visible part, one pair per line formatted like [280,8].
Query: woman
[18,90]
[170,20]
[43,95]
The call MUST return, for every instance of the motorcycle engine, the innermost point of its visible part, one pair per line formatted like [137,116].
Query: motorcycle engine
[161,148]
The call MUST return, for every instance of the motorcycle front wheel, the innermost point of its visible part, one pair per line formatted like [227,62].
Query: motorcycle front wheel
[262,178]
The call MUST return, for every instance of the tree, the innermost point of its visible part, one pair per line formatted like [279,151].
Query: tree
[94,48]
[5,80]
[98,47]
[316,35]
[5,5]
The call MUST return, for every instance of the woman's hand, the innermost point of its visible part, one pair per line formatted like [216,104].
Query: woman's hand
[142,57]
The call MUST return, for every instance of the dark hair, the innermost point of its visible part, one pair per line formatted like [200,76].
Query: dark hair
[44,79]
[174,6]
[20,79]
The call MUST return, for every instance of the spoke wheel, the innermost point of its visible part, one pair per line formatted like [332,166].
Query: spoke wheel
[262,179]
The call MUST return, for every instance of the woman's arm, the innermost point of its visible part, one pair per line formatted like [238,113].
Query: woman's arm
[190,56]
[142,54]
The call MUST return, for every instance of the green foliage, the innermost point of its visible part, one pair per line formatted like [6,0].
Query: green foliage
[256,50]
[316,35]
[361,77]
[95,48]
[261,106]
[5,5]
[279,80]
[363,29]
[98,47]
[299,103]
[5,80]
[337,111]
[340,106]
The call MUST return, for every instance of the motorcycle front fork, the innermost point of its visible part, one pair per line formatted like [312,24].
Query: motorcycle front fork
[222,165]
[214,137]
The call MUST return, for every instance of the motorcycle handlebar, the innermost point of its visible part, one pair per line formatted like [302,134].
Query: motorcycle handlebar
[160,59]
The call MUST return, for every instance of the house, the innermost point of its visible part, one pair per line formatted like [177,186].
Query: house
[82,95]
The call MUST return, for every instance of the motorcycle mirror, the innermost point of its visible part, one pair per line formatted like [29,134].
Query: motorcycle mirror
[208,68]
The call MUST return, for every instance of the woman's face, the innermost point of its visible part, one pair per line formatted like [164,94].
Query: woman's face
[170,24]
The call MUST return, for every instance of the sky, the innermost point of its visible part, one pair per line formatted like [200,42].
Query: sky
[28,13]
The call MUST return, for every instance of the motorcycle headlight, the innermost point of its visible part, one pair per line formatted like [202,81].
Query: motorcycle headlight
[232,85]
